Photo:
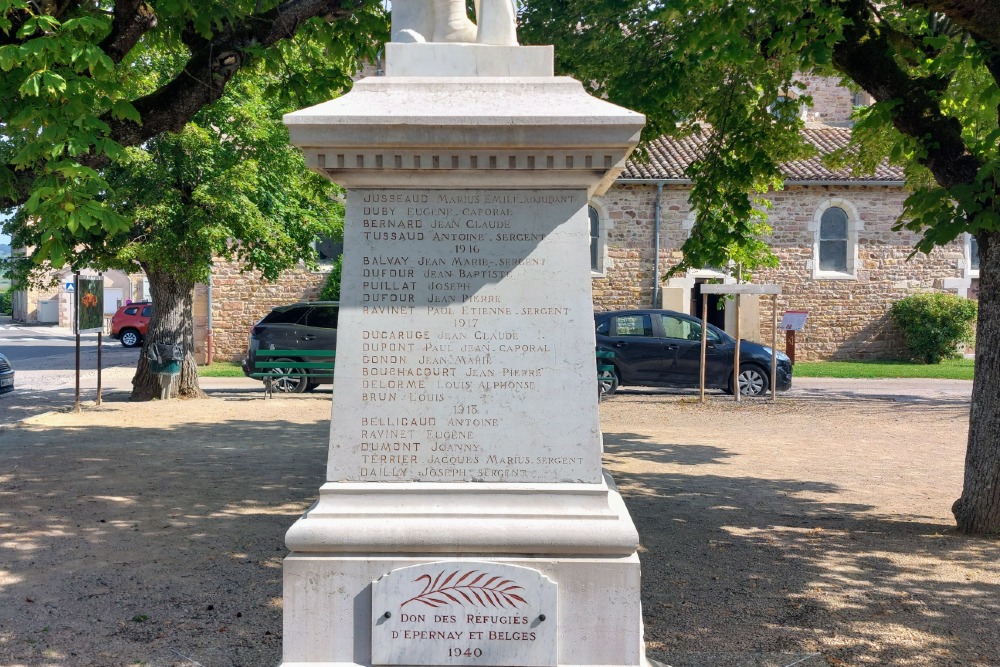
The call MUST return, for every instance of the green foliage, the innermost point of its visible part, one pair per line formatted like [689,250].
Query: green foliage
[5,303]
[725,69]
[70,162]
[228,185]
[331,289]
[934,324]
[730,67]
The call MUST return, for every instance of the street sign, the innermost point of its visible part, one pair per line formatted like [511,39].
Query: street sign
[70,287]
[794,320]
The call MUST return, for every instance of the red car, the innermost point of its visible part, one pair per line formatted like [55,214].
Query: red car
[130,322]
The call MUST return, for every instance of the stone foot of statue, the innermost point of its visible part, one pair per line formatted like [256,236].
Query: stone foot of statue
[451,23]
[497,23]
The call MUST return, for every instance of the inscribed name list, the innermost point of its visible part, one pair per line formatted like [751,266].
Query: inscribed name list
[466,339]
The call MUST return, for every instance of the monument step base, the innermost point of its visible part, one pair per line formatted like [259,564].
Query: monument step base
[328,607]
[456,518]
[644,663]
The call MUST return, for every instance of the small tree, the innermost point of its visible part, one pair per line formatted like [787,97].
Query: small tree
[229,185]
[331,290]
[934,324]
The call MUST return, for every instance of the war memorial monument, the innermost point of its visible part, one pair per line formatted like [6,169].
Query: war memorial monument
[465,518]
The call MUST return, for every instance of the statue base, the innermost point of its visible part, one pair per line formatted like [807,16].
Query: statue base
[465,60]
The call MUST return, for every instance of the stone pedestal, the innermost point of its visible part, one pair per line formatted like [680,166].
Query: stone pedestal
[465,435]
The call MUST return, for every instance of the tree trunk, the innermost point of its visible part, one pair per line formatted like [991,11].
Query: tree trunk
[978,510]
[172,322]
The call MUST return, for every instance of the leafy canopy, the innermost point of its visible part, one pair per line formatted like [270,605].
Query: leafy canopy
[140,130]
[732,65]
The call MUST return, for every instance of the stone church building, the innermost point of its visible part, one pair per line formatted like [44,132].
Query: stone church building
[840,259]
[832,231]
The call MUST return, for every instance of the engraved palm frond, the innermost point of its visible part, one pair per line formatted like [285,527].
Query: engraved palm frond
[475,588]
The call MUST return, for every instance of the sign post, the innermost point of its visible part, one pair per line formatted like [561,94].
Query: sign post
[88,317]
[792,321]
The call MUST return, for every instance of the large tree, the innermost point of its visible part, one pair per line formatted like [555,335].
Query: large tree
[148,134]
[229,186]
[933,69]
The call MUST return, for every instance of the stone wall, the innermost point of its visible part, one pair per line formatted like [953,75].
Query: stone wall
[628,212]
[848,316]
[239,300]
[832,102]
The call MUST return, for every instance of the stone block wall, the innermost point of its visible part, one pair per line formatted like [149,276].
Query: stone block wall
[848,316]
[628,212]
[239,300]
[832,102]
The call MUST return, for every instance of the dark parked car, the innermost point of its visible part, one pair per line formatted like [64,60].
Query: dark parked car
[662,348]
[6,375]
[301,326]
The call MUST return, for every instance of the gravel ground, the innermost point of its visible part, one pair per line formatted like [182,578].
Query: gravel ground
[815,531]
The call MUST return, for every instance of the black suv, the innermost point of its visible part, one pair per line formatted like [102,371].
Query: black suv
[301,326]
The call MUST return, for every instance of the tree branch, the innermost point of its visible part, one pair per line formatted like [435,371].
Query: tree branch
[865,55]
[132,20]
[979,17]
[214,62]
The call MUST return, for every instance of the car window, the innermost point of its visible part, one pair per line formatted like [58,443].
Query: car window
[633,325]
[604,327]
[131,311]
[685,329]
[322,316]
[147,311]
[676,327]
[290,316]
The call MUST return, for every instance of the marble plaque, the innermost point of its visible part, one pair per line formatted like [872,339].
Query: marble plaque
[464,613]
[466,339]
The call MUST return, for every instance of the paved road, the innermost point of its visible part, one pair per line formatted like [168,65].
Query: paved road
[902,390]
[44,361]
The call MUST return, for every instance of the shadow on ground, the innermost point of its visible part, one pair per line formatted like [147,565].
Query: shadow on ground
[757,572]
[194,519]
[130,544]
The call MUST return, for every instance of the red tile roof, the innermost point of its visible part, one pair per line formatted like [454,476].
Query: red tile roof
[669,157]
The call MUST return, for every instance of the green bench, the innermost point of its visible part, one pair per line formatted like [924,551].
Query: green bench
[607,378]
[298,365]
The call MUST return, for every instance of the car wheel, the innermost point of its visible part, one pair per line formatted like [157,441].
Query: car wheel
[290,381]
[130,337]
[753,381]
[607,382]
